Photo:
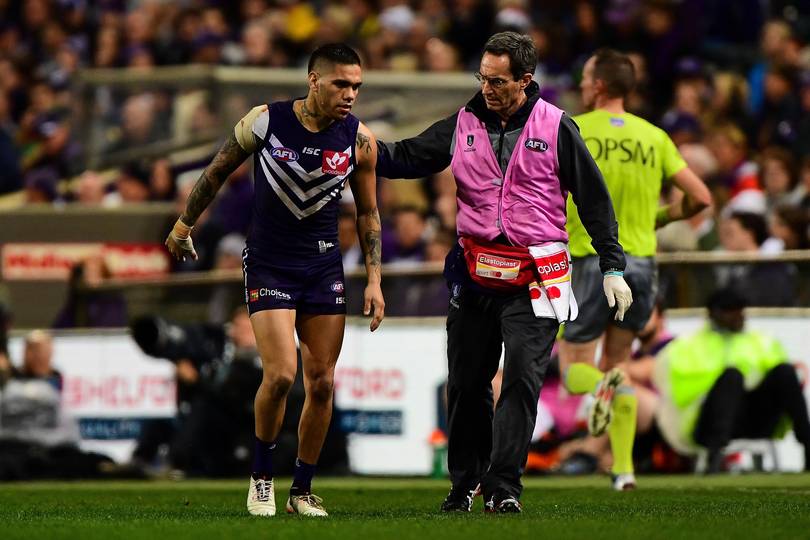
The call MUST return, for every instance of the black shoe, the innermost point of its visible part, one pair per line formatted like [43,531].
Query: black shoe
[459,500]
[503,504]
[579,463]
[715,461]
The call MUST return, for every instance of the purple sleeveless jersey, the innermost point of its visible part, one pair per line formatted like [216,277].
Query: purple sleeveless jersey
[292,260]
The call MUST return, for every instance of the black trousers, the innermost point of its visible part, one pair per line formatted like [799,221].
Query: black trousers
[486,447]
[731,412]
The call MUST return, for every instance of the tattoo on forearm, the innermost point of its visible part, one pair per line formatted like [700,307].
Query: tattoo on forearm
[369,223]
[363,143]
[228,158]
[373,251]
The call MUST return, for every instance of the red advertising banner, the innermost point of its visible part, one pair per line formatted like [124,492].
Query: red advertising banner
[32,261]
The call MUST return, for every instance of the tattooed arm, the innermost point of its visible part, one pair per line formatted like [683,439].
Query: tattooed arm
[364,188]
[227,159]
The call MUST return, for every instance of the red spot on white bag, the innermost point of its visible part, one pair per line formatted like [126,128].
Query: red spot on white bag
[553,292]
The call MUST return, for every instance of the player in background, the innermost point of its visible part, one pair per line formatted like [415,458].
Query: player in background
[635,158]
[304,151]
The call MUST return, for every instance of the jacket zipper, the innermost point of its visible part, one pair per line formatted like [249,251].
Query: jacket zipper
[503,181]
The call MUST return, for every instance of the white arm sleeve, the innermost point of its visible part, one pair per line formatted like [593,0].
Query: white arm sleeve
[255,122]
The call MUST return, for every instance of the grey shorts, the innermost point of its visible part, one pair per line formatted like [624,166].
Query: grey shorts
[594,317]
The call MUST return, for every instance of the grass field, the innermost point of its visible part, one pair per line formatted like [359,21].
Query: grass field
[747,507]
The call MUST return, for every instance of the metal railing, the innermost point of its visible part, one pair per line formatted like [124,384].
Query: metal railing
[421,291]
[405,102]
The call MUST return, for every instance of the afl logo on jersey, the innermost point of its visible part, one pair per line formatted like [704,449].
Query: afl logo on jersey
[336,163]
[536,145]
[284,154]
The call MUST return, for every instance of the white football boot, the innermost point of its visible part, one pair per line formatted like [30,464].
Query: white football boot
[623,482]
[600,414]
[306,505]
[261,499]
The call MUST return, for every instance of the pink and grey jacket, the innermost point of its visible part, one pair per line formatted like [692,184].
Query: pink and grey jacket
[535,179]
[527,204]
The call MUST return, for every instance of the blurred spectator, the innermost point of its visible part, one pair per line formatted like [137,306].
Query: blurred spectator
[780,111]
[736,174]
[790,225]
[729,100]
[41,185]
[778,175]
[725,382]
[347,238]
[802,192]
[767,283]
[138,126]
[132,186]
[774,42]
[208,232]
[229,212]
[10,178]
[161,181]
[88,308]
[440,56]
[801,145]
[683,128]
[37,439]
[230,251]
[409,234]
[257,45]
[439,246]
[90,189]
[744,231]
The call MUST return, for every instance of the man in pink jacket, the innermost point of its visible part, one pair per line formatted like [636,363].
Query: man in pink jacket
[515,158]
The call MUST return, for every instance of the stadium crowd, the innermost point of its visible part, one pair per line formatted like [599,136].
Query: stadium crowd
[729,80]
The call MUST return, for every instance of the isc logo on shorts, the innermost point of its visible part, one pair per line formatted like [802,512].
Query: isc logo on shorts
[336,163]
[281,153]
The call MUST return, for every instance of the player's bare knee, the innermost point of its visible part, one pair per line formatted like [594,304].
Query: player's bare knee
[278,385]
[321,387]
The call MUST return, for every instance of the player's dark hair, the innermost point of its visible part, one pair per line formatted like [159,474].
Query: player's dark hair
[334,53]
[520,49]
[616,70]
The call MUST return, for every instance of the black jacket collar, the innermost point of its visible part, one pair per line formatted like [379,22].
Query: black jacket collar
[478,107]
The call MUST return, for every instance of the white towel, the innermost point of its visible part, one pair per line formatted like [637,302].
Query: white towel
[553,297]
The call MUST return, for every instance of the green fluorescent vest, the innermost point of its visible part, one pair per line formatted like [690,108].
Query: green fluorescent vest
[690,365]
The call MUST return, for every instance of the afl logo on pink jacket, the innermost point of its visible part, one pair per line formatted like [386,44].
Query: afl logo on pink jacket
[536,145]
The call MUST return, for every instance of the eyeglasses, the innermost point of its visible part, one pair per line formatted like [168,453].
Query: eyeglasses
[494,82]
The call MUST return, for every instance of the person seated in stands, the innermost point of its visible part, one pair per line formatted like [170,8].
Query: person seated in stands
[409,232]
[37,438]
[725,382]
[91,308]
[766,284]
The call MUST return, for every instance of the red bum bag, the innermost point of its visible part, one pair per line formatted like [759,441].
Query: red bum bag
[499,267]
